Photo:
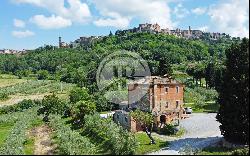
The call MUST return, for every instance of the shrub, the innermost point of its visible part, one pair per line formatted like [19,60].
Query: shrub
[80,109]
[19,107]
[4,96]
[199,101]
[42,74]
[51,104]
[169,129]
[70,142]
[243,151]
[112,136]
[78,94]
[14,144]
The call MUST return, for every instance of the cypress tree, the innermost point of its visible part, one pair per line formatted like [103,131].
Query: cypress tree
[234,94]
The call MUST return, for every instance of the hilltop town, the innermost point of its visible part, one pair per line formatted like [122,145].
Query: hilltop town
[12,51]
[149,28]
[156,28]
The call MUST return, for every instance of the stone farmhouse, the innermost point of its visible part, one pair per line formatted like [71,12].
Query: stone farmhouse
[163,98]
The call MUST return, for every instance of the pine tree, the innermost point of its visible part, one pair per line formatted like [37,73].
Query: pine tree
[234,95]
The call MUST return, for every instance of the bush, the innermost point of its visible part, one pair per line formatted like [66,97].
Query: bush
[78,94]
[192,94]
[79,110]
[42,74]
[112,136]
[243,151]
[70,142]
[19,107]
[199,101]
[169,129]
[14,143]
[4,96]
[51,104]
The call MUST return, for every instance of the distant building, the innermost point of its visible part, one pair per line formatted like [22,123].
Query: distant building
[62,44]
[155,28]
[11,51]
[84,41]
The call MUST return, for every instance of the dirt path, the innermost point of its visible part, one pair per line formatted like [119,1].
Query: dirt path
[43,144]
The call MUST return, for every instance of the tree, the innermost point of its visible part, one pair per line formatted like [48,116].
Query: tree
[42,74]
[145,119]
[80,109]
[234,94]
[51,104]
[78,94]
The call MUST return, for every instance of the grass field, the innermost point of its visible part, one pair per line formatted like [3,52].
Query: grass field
[144,144]
[209,107]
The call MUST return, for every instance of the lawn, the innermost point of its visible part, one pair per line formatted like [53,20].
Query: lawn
[144,144]
[209,107]
[5,129]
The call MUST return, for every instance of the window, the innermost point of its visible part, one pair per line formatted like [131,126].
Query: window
[178,114]
[177,104]
[177,89]
[166,104]
[117,116]
[126,119]
[166,89]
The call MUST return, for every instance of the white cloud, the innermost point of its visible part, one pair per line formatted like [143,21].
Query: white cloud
[203,28]
[19,23]
[52,22]
[77,11]
[116,22]
[180,11]
[22,34]
[199,11]
[231,16]
[120,12]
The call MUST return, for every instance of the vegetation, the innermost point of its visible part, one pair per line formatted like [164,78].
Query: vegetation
[5,129]
[234,94]
[145,146]
[70,142]
[111,136]
[204,66]
[223,151]
[14,143]
[208,107]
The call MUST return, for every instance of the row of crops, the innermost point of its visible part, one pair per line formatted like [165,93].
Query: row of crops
[22,121]
[36,87]
[70,142]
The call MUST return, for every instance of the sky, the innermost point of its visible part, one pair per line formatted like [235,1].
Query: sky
[28,24]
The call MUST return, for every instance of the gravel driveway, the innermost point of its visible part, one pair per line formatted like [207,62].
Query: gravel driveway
[202,130]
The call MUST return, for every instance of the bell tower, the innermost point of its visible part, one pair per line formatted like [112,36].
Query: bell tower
[60,42]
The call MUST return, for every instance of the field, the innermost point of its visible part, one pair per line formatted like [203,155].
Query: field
[20,89]
[209,107]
